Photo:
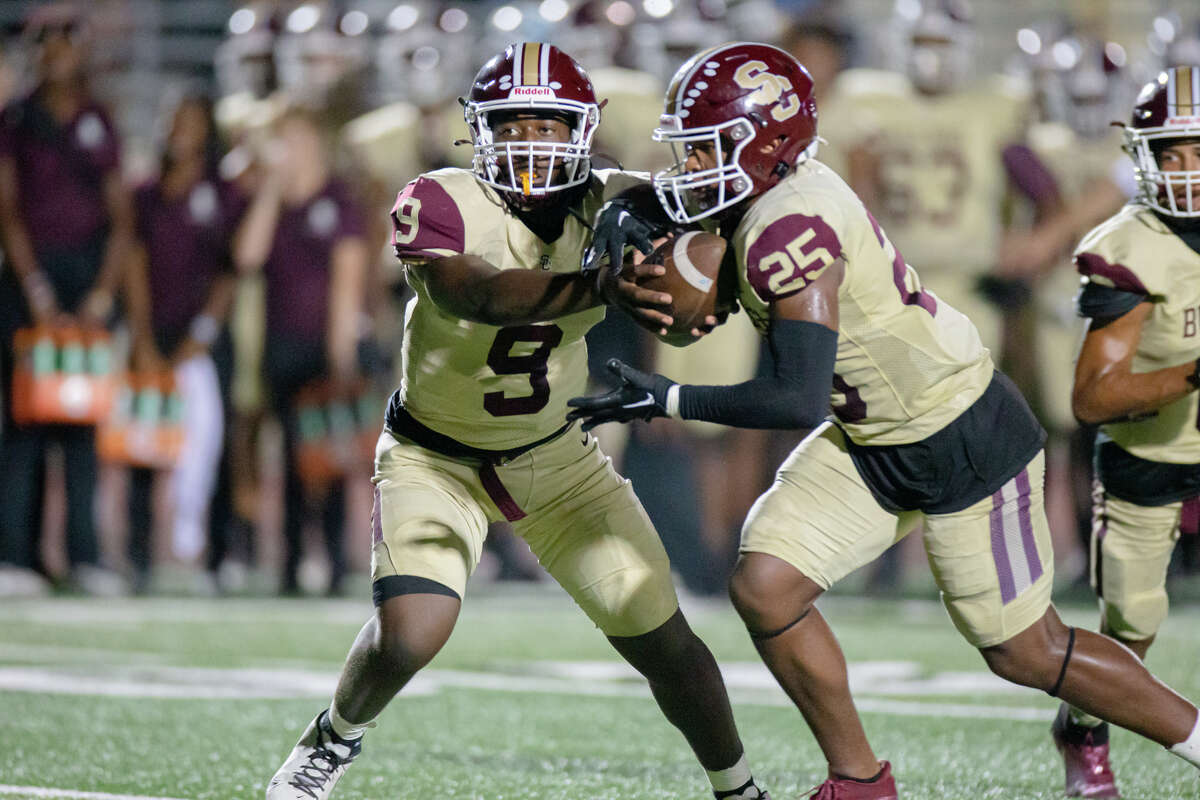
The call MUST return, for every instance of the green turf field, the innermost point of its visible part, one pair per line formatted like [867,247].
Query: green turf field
[185,698]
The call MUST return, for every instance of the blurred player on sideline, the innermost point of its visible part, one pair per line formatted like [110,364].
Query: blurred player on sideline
[936,162]
[1082,148]
[926,428]
[493,346]
[1137,377]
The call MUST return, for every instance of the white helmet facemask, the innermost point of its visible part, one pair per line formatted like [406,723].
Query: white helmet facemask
[532,168]
[689,196]
[1170,192]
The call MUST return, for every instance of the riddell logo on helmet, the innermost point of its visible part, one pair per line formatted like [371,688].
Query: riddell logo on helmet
[532,92]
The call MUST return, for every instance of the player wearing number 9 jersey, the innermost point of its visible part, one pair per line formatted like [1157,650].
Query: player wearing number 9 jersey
[926,430]
[493,347]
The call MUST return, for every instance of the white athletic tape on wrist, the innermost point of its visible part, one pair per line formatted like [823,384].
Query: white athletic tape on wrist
[673,400]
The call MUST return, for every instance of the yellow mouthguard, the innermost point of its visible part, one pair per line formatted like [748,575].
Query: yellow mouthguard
[525,185]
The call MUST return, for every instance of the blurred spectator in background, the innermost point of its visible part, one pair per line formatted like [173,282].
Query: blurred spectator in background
[822,40]
[321,57]
[939,159]
[66,226]
[307,234]
[180,287]
[940,156]
[245,66]
[1080,80]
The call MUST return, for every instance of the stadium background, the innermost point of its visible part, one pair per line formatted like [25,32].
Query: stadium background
[184,695]
[391,74]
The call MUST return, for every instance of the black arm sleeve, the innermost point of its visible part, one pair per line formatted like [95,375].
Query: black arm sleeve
[1104,304]
[796,396]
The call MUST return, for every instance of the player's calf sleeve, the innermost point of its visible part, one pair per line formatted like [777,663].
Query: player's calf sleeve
[1189,748]
[760,636]
[343,727]
[1062,673]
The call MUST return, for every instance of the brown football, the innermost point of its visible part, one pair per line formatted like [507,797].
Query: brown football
[693,260]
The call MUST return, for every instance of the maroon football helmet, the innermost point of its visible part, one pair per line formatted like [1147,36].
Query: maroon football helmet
[536,78]
[1167,110]
[734,98]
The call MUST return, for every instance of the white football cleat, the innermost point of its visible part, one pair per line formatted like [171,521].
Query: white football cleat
[316,763]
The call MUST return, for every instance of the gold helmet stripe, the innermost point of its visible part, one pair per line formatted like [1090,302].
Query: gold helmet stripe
[1181,92]
[531,60]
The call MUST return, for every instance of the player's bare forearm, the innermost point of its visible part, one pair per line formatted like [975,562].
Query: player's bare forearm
[1107,389]
[469,287]
[1114,396]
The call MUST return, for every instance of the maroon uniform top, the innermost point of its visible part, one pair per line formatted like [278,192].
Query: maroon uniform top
[60,170]
[187,241]
[298,267]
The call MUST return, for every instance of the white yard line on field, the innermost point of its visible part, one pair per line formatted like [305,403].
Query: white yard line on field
[889,682]
[42,791]
[85,655]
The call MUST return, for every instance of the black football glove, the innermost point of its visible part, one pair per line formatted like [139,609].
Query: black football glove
[639,396]
[617,225]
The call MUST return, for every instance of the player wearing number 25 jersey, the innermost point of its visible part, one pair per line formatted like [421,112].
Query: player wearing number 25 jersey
[493,347]
[926,429]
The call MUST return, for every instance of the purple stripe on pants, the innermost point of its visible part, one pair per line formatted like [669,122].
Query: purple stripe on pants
[1031,552]
[1008,589]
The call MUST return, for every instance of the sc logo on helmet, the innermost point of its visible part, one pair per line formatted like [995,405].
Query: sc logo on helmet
[769,89]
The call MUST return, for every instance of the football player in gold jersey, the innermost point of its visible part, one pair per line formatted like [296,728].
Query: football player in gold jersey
[1137,377]
[493,347]
[940,162]
[925,428]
